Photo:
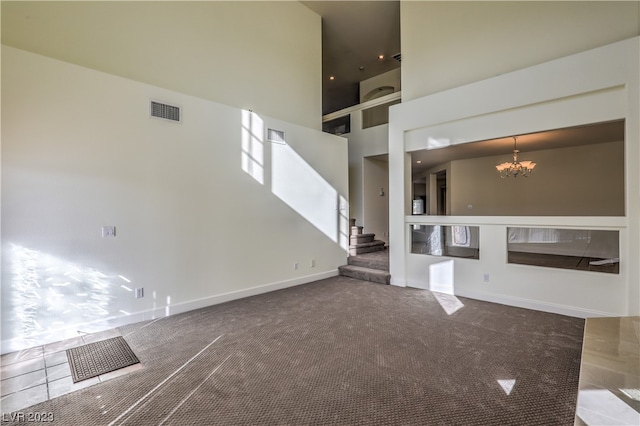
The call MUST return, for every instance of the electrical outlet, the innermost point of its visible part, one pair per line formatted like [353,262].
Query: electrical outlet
[485,278]
[108,231]
[139,293]
[295,266]
[312,263]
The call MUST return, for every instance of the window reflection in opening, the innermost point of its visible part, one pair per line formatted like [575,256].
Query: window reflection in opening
[446,240]
[580,249]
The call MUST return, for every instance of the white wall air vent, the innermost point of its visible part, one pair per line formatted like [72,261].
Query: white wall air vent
[276,136]
[397,57]
[165,111]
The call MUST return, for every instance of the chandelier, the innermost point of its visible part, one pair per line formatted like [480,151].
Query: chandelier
[515,168]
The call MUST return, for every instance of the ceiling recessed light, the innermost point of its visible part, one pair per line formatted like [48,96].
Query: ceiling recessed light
[380,57]
[331,77]
[419,161]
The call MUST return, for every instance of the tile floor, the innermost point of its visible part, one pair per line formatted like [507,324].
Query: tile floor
[609,386]
[41,373]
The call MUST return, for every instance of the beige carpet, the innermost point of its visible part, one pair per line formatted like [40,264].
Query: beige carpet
[342,351]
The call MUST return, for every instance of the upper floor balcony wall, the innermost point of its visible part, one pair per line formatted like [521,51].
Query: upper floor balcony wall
[360,117]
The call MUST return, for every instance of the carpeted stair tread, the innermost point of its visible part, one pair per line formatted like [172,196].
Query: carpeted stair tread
[375,245]
[361,238]
[381,264]
[365,274]
[371,243]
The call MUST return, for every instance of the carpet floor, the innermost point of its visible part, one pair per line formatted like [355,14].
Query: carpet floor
[341,351]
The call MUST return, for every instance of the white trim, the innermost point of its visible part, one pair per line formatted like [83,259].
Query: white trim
[239,294]
[369,104]
[597,106]
[537,305]
[592,222]
[11,345]
[398,283]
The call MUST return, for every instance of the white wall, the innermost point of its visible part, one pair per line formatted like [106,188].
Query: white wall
[448,44]
[389,79]
[594,86]
[263,56]
[362,143]
[376,207]
[203,214]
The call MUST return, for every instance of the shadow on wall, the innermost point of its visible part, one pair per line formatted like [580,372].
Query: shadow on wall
[293,180]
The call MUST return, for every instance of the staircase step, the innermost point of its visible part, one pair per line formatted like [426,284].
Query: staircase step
[360,239]
[365,274]
[375,245]
[356,230]
[381,264]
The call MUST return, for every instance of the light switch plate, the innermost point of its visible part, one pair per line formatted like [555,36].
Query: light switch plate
[108,231]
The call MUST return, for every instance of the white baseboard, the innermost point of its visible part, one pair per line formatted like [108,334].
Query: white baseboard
[536,305]
[75,330]
[237,294]
[398,283]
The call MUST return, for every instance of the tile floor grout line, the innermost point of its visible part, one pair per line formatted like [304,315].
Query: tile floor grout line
[28,387]
[46,369]
[17,359]
[46,375]
[22,374]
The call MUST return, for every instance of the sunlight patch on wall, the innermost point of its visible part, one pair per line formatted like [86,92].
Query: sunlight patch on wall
[46,294]
[303,189]
[441,283]
[344,231]
[441,277]
[253,145]
[435,143]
